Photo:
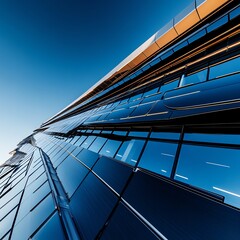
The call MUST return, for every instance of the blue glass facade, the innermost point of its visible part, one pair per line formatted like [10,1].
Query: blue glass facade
[153,155]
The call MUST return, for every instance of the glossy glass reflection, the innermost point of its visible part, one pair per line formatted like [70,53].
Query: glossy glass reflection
[222,69]
[130,151]
[215,169]
[110,148]
[158,157]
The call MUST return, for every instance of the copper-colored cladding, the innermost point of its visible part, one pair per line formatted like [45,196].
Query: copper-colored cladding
[186,23]
[166,38]
[209,6]
[151,50]
[151,47]
[139,59]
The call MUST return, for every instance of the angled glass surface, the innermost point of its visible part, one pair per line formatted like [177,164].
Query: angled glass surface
[88,141]
[169,86]
[216,169]
[137,134]
[150,92]
[97,144]
[129,151]
[215,138]
[232,66]
[80,140]
[34,219]
[235,13]
[6,222]
[71,173]
[110,148]
[52,229]
[218,23]
[194,78]
[158,157]
[197,36]
[165,135]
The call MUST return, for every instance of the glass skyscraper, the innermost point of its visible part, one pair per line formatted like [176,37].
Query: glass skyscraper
[151,151]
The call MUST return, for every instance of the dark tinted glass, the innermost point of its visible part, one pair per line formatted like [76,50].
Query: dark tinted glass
[158,157]
[52,229]
[215,169]
[112,172]
[33,219]
[88,157]
[130,228]
[71,173]
[92,197]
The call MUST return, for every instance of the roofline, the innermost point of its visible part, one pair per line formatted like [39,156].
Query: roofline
[183,22]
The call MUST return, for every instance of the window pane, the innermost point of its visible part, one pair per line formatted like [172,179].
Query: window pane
[130,151]
[110,148]
[215,169]
[52,229]
[194,78]
[169,86]
[197,36]
[162,160]
[97,144]
[222,69]
[88,141]
[216,138]
[165,135]
[217,24]
[138,134]
[150,92]
[235,13]
[71,173]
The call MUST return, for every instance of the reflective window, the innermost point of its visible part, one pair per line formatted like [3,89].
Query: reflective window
[169,86]
[80,140]
[215,169]
[235,13]
[88,141]
[197,36]
[34,219]
[97,144]
[7,222]
[167,54]
[136,97]
[218,23]
[150,92]
[225,68]
[162,160]
[120,133]
[52,229]
[110,148]
[216,138]
[71,173]
[165,135]
[138,134]
[130,151]
[181,45]
[194,78]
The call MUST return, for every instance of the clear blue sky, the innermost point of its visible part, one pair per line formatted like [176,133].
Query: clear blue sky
[52,51]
